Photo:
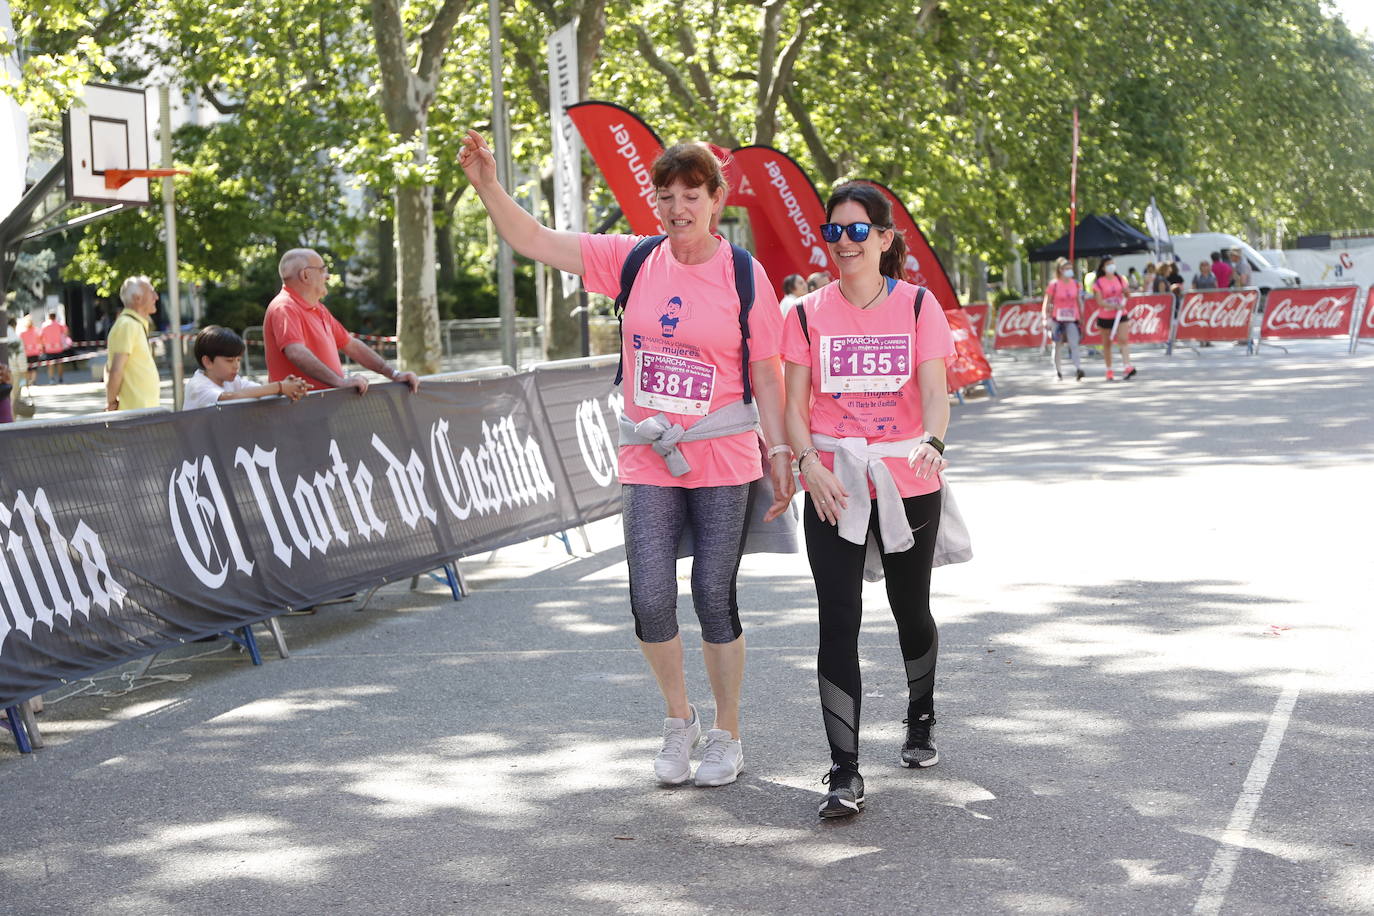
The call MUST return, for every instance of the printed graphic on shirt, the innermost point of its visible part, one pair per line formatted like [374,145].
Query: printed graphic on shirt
[673,384]
[674,310]
[865,362]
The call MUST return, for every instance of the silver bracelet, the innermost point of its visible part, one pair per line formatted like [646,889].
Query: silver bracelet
[779,449]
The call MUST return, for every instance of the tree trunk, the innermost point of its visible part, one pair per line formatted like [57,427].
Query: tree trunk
[417,307]
[448,272]
[386,262]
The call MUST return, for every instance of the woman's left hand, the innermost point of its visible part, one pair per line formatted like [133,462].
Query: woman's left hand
[784,485]
[926,460]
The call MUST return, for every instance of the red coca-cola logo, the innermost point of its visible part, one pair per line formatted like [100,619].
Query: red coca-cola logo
[1014,321]
[1200,310]
[1148,320]
[1328,313]
[1367,326]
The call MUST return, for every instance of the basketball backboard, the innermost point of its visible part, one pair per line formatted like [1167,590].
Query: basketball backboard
[108,131]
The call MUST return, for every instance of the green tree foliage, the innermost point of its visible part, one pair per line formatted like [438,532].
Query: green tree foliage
[1244,117]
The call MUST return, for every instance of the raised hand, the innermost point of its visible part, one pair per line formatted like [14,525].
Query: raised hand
[477,160]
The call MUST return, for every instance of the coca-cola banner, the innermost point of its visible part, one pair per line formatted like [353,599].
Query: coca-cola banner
[978,316]
[788,201]
[1218,314]
[128,536]
[1367,319]
[922,266]
[1018,325]
[1150,316]
[1306,312]
[970,364]
[624,148]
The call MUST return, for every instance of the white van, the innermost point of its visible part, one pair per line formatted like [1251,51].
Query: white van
[1190,250]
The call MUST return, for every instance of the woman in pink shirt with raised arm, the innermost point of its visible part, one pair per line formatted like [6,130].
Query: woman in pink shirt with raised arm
[689,447]
[1113,318]
[1062,313]
[867,409]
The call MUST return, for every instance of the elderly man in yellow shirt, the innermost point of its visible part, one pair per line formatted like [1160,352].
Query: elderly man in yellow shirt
[131,379]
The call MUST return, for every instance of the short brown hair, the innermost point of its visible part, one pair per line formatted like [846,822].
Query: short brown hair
[691,163]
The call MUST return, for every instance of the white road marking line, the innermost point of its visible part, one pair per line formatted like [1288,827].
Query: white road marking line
[1223,869]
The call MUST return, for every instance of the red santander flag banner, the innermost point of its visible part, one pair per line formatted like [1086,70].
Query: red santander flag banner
[624,148]
[787,201]
[922,266]
[978,316]
[1306,312]
[1018,325]
[1149,316]
[1217,314]
[769,248]
[970,364]
[1367,322]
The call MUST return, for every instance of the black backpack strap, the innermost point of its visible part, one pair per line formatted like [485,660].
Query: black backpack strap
[744,288]
[920,294]
[801,317]
[628,271]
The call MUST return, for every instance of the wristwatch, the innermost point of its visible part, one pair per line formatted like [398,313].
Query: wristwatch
[934,443]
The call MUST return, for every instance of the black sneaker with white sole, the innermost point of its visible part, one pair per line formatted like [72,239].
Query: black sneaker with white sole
[919,749]
[846,795]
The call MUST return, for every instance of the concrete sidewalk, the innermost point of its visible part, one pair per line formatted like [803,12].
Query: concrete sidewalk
[1154,696]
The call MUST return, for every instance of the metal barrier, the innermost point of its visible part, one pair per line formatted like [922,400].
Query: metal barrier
[464,342]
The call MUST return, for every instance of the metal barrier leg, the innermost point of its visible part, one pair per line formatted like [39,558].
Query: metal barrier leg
[30,725]
[586,541]
[451,574]
[567,544]
[462,582]
[16,728]
[990,387]
[959,395]
[278,636]
[244,637]
[414,582]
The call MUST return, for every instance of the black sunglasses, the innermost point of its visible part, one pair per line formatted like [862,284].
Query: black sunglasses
[858,232]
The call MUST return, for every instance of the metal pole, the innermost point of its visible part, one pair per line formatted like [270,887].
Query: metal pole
[169,218]
[541,305]
[500,124]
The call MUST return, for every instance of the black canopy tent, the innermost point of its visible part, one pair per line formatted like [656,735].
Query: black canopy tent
[1095,237]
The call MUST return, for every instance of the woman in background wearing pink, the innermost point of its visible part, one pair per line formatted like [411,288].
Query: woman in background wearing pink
[57,343]
[33,346]
[1112,317]
[867,409]
[1061,311]
[682,351]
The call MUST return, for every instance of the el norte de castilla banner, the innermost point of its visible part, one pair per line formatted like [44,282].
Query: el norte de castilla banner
[120,537]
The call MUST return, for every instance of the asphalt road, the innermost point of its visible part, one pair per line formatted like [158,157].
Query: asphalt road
[1154,696]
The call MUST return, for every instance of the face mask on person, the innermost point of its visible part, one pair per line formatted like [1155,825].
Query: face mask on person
[1066,273]
[1109,269]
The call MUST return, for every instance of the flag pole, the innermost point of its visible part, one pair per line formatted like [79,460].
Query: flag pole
[1073,186]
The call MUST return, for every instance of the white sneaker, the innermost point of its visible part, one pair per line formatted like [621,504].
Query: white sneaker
[722,760]
[673,765]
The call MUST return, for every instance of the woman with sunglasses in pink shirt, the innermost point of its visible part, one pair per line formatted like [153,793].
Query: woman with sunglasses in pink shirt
[867,410]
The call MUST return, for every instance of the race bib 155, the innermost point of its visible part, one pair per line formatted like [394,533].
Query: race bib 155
[865,362]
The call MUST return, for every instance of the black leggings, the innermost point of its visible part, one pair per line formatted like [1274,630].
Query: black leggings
[838,569]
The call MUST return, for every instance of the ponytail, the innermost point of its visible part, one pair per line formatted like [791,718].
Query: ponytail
[893,262]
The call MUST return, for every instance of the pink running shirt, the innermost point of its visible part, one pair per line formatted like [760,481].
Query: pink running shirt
[854,334]
[1064,300]
[1111,294]
[54,334]
[681,345]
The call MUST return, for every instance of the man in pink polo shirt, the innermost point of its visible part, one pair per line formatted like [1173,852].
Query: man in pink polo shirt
[303,338]
[57,343]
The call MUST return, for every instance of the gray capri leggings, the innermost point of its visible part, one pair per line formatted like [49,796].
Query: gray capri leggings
[654,517]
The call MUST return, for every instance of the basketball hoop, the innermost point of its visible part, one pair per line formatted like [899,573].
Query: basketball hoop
[118,178]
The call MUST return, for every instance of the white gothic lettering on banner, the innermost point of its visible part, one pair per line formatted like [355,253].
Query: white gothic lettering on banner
[594,438]
[503,474]
[195,499]
[54,590]
[310,516]
[407,484]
